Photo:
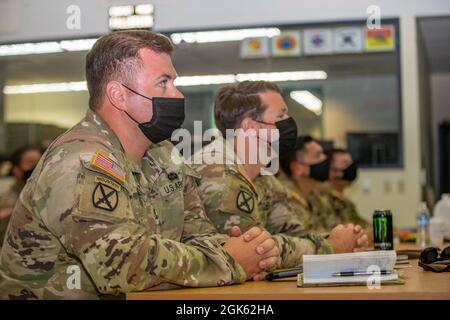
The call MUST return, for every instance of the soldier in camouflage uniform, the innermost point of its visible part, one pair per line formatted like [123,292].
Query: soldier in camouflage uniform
[228,188]
[98,218]
[308,168]
[343,172]
[23,162]
[282,206]
[344,209]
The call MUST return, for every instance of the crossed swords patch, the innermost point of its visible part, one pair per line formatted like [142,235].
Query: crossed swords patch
[245,201]
[105,197]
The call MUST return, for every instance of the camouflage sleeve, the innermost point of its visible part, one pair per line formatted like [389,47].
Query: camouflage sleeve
[277,212]
[125,257]
[351,214]
[198,231]
[230,202]
[322,210]
[219,193]
[119,254]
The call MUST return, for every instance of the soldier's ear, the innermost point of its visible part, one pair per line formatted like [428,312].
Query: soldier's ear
[116,94]
[248,123]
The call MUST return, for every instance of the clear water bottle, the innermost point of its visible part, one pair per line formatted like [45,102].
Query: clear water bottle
[423,226]
[442,210]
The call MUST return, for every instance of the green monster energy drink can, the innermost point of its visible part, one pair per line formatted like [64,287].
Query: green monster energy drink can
[383,238]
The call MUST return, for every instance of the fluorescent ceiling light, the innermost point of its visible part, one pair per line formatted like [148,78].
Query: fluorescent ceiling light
[46,87]
[118,11]
[205,80]
[121,22]
[131,22]
[30,48]
[187,81]
[77,45]
[308,100]
[143,9]
[282,76]
[46,47]
[223,35]
[268,76]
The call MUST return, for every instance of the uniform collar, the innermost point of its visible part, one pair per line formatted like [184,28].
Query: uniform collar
[225,150]
[327,187]
[105,130]
[112,141]
[291,186]
[219,148]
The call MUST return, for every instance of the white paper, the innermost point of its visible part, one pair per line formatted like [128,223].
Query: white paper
[323,266]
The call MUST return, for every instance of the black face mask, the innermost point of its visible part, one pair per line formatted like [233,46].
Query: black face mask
[168,115]
[350,173]
[320,171]
[287,130]
[288,135]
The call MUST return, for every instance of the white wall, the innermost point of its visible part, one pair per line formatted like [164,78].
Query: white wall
[59,109]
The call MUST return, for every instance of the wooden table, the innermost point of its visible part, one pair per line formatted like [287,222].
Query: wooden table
[419,285]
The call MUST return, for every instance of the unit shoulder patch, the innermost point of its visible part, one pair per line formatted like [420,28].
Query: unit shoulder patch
[102,198]
[105,196]
[245,201]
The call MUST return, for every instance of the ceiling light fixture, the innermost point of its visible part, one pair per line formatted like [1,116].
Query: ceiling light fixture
[187,81]
[46,47]
[308,100]
[223,35]
[46,87]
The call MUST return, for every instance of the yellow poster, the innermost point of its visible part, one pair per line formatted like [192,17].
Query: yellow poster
[382,39]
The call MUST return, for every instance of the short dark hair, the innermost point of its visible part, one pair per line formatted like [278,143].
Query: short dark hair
[302,141]
[237,101]
[116,56]
[292,155]
[330,153]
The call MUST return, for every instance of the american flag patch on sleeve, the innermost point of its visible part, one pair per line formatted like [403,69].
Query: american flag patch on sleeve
[107,165]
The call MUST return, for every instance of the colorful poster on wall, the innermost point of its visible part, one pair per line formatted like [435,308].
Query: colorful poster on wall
[287,44]
[382,39]
[255,48]
[317,41]
[348,40]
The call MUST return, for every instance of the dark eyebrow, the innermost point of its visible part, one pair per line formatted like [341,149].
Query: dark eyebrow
[167,76]
[283,111]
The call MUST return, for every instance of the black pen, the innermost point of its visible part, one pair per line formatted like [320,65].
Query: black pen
[358,273]
[283,274]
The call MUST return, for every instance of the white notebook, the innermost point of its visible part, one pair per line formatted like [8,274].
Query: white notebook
[320,268]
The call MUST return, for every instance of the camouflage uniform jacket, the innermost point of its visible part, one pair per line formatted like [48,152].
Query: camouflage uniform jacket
[299,202]
[230,199]
[329,209]
[126,227]
[343,207]
[284,208]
